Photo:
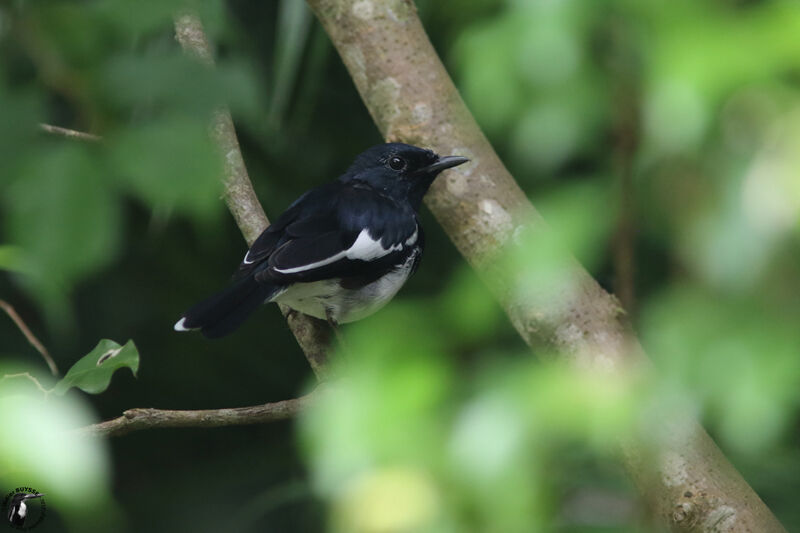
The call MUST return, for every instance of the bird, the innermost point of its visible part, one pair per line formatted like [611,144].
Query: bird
[19,509]
[340,251]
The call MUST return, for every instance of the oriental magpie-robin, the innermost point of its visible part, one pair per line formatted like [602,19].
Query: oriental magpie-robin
[341,251]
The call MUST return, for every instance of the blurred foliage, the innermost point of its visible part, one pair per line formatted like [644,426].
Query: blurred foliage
[38,442]
[38,446]
[444,422]
[400,445]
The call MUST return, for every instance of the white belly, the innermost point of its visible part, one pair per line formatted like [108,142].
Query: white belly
[345,305]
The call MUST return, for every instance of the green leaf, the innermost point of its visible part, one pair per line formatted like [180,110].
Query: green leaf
[170,162]
[93,372]
[11,257]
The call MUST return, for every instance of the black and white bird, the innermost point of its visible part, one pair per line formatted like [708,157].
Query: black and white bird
[341,251]
[18,509]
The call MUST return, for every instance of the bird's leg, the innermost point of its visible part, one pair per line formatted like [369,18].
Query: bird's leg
[335,326]
[332,322]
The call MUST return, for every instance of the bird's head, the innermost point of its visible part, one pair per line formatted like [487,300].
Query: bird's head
[400,169]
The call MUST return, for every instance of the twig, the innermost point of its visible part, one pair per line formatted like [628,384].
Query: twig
[312,335]
[623,65]
[30,336]
[72,134]
[145,418]
[29,377]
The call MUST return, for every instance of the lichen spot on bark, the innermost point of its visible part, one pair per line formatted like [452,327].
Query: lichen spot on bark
[673,469]
[495,220]
[457,184]
[353,57]
[721,519]
[363,10]
[421,113]
[384,95]
[400,10]
[569,334]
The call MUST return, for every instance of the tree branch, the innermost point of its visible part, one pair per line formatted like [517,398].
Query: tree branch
[312,335]
[623,66]
[29,377]
[411,98]
[71,134]
[9,309]
[142,418]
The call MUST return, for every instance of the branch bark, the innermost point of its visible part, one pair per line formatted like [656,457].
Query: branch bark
[70,134]
[688,482]
[141,418]
[623,66]
[12,314]
[312,335]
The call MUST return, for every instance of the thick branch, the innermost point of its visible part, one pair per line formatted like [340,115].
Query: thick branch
[137,419]
[312,335]
[481,207]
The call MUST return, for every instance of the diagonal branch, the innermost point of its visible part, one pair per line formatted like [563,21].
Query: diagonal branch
[70,134]
[12,313]
[411,98]
[312,335]
[141,418]
[29,377]
[625,83]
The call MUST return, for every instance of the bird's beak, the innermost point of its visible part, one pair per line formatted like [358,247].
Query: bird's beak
[443,163]
[31,496]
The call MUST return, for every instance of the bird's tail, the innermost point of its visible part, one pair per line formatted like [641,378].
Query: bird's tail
[222,313]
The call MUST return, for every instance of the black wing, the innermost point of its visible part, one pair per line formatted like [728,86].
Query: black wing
[340,229]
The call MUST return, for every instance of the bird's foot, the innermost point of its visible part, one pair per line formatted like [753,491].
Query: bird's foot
[335,327]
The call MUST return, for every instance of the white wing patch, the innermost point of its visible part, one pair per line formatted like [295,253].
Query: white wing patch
[180,325]
[411,240]
[245,260]
[364,248]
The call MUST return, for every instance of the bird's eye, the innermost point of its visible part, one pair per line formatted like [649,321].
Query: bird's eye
[397,163]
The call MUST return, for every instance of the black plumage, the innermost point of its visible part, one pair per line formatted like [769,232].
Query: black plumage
[340,251]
